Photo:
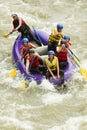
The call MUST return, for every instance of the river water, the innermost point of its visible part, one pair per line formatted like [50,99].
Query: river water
[41,107]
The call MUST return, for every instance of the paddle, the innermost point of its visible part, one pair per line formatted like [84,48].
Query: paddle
[74,55]
[78,63]
[37,35]
[7,35]
[14,71]
[24,83]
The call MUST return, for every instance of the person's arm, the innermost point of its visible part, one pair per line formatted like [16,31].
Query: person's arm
[21,54]
[33,46]
[50,71]
[58,48]
[58,75]
[38,55]
[27,66]
[68,45]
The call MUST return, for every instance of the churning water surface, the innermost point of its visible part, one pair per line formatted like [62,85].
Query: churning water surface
[41,107]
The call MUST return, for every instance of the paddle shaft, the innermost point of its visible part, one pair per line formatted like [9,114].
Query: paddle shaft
[73,58]
[10,33]
[82,70]
[74,55]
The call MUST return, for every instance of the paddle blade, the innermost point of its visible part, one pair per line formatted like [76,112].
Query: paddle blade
[83,72]
[5,35]
[23,86]
[13,73]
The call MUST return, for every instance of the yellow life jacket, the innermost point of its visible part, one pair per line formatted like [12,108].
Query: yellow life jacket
[55,38]
[53,64]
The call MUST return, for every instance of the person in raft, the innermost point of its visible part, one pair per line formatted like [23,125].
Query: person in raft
[55,38]
[33,63]
[26,46]
[62,55]
[20,26]
[68,43]
[52,64]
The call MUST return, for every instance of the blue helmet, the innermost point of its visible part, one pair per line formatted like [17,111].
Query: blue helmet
[59,26]
[25,40]
[51,52]
[66,37]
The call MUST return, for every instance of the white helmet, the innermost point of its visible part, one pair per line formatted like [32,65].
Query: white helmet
[13,15]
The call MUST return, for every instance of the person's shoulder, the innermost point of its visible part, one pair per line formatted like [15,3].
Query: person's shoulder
[46,59]
[22,47]
[55,57]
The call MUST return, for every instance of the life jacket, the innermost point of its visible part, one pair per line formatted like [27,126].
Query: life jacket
[53,64]
[55,38]
[16,23]
[62,55]
[25,50]
[35,62]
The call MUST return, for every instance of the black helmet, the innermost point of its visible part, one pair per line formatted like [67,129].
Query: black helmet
[63,41]
[31,51]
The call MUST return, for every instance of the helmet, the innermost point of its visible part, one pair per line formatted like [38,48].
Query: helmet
[59,26]
[13,15]
[66,37]
[25,40]
[51,52]
[31,51]
[63,41]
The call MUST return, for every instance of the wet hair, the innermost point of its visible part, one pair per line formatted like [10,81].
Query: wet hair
[31,51]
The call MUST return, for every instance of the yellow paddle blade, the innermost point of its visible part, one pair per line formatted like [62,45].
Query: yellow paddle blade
[5,35]
[13,73]
[23,86]
[83,72]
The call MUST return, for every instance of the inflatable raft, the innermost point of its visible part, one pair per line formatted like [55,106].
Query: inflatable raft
[42,51]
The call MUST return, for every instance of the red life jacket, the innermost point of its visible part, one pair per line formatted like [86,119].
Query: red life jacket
[25,50]
[16,23]
[62,55]
[35,62]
